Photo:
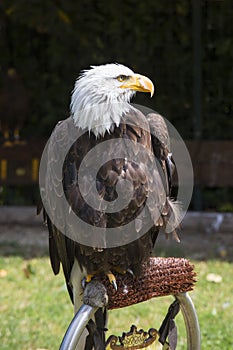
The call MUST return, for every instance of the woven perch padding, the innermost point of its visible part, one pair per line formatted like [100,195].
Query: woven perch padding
[159,277]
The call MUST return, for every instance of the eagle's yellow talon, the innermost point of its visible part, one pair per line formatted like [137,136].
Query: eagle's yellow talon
[112,280]
[89,278]
[86,280]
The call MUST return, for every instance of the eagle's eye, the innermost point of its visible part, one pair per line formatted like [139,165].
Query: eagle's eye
[122,78]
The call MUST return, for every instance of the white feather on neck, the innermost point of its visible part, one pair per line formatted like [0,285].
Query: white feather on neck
[98,105]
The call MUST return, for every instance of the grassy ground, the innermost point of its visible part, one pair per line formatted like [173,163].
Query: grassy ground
[35,308]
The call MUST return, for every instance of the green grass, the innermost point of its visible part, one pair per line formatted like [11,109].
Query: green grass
[35,311]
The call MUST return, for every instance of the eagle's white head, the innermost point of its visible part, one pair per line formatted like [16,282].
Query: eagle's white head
[101,96]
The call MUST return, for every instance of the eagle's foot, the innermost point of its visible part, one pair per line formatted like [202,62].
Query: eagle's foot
[86,280]
[123,272]
[112,279]
[110,275]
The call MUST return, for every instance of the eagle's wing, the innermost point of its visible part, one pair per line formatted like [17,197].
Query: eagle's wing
[61,249]
[161,147]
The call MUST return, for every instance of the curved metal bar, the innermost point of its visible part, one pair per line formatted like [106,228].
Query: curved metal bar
[191,321]
[76,327]
[86,312]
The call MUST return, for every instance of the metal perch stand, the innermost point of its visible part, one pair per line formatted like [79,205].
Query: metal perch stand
[159,277]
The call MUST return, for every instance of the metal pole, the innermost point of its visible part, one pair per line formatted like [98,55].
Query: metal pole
[76,327]
[191,321]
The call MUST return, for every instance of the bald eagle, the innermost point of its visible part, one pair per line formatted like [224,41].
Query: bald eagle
[101,111]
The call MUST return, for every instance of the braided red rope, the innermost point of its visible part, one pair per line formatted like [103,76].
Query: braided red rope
[159,277]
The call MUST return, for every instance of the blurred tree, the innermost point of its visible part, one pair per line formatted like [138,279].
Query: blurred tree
[49,42]
[217,69]
[13,108]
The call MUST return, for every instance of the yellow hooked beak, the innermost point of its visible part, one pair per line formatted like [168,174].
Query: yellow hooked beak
[140,83]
